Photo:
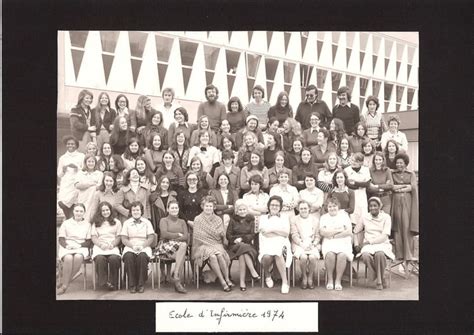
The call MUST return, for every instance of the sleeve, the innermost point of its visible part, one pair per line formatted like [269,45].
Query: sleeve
[171,134]
[387,225]
[76,123]
[120,197]
[124,231]
[328,115]
[356,114]
[350,210]
[215,155]
[88,235]
[62,230]
[60,172]
[294,177]
[359,225]
[94,204]
[149,228]
[133,119]
[223,112]
[149,160]
[192,153]
[119,227]
[94,231]
[383,140]
[404,142]
[260,137]
[290,113]
[295,235]
[229,234]
[298,114]
[193,140]
[244,184]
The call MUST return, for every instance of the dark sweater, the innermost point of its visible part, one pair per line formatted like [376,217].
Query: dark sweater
[349,115]
[305,109]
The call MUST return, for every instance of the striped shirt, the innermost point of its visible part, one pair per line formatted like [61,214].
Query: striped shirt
[259,110]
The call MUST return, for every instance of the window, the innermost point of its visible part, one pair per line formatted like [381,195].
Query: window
[321,76]
[364,37]
[232,58]
[411,53]
[363,86]
[252,64]
[78,38]
[376,88]
[350,35]
[109,40]
[288,71]
[188,52]
[376,44]
[163,48]
[320,35]
[335,37]
[137,43]
[336,80]
[304,39]
[388,47]
[388,91]
[210,57]
[271,68]
[399,93]
[350,82]
[410,94]
[305,72]
[400,48]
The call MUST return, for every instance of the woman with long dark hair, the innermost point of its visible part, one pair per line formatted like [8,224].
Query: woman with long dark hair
[181,123]
[107,192]
[227,167]
[303,168]
[159,201]
[155,127]
[390,152]
[146,176]
[205,179]
[141,116]
[180,150]
[120,135]
[105,235]
[359,136]
[155,151]
[278,166]
[82,120]
[336,131]
[105,154]
[131,191]
[255,167]
[282,110]
[104,118]
[122,106]
[368,150]
[172,170]
[235,115]
[203,124]
[132,152]
[344,153]
[381,183]
[324,147]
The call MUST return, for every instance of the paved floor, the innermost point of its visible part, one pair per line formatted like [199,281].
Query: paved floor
[400,289]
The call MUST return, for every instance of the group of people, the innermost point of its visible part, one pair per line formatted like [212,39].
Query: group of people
[258,184]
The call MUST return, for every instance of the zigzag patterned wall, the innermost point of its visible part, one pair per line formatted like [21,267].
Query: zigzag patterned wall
[139,62]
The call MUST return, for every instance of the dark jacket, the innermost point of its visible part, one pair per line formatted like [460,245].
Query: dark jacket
[78,121]
[108,120]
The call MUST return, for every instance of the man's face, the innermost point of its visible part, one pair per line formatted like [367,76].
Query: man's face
[311,96]
[211,94]
[342,98]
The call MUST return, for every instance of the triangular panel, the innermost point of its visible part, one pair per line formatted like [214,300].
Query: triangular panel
[162,73]
[240,85]
[286,37]
[348,55]
[188,52]
[303,43]
[269,38]
[107,61]
[320,47]
[137,43]
[230,82]
[163,48]
[77,56]
[91,73]
[136,64]
[198,78]
[374,62]
[250,34]
[294,47]
[250,85]
[186,76]
[121,77]
[334,51]
[362,55]
[269,88]
[148,82]
[109,40]
[78,38]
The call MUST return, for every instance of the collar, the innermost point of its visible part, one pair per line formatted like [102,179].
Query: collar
[185,124]
[109,191]
[137,221]
[348,105]
[314,130]
[315,101]
[270,215]
[128,187]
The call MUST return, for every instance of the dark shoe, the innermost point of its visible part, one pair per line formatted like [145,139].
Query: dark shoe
[141,289]
[230,284]
[226,288]
[256,278]
[178,287]
[243,288]
[110,287]
[132,289]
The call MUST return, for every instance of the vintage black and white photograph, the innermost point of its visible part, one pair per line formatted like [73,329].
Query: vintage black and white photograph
[237,165]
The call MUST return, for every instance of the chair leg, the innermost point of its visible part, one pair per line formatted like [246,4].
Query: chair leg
[85,276]
[350,274]
[293,266]
[196,272]
[152,274]
[158,271]
[366,275]
[120,277]
[357,266]
[262,274]
[93,275]
[317,271]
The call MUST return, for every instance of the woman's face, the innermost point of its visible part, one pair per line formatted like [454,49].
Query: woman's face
[252,124]
[279,161]
[179,117]
[360,131]
[332,209]
[227,162]
[112,163]
[87,100]
[283,179]
[204,123]
[400,164]
[306,156]
[156,119]
[340,179]
[332,125]
[374,208]
[322,139]
[208,208]
[254,159]
[223,181]
[242,211]
[274,126]
[257,95]
[371,106]
[332,161]
[284,101]
[108,182]
[393,126]
[168,159]
[71,145]
[122,102]
[133,147]
[310,182]
[391,147]
[165,184]
[344,145]
[274,206]
[225,126]
[271,141]
[204,138]
[123,123]
[167,97]
[192,180]
[234,106]
[297,146]
[173,209]
[90,163]
[105,211]
[254,187]
[136,212]
[378,162]
[92,150]
[286,126]
[106,149]
[227,144]
[304,210]
[134,176]
[196,166]
[147,104]
[314,121]
[368,148]
[140,165]
[180,139]
[78,213]
[156,142]
[104,101]
[249,140]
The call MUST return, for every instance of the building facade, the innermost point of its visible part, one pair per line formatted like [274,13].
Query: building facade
[143,63]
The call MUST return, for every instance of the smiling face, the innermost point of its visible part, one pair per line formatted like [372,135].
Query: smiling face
[104,100]
[286,126]
[156,142]
[178,117]
[279,161]
[242,211]
[92,150]
[133,147]
[332,161]
[225,126]
[122,102]
[196,166]
[372,106]
[105,211]
[168,159]
[332,209]
[211,94]
[314,121]
[106,149]
[284,101]
[180,139]
[254,159]
[309,182]
[400,164]
[108,182]
[374,208]
[311,95]
[87,100]
[156,119]
[123,124]
[227,144]
[167,97]
[204,138]
[165,184]
[208,208]
[303,208]
[71,145]
[136,212]
[249,140]
[306,156]
[297,146]
[342,98]
[134,175]
[223,181]
[204,123]
[90,163]
[283,178]
[234,106]
[192,180]
[140,165]
[378,162]
[270,141]
[257,95]
[274,206]
[273,127]
[393,126]
[391,147]
[340,179]
[78,213]
[252,124]
[173,209]
[344,145]
[368,148]
[360,131]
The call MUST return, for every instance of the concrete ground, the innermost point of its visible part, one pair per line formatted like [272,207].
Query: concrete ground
[400,289]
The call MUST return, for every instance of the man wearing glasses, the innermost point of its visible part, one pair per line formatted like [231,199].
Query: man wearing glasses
[310,105]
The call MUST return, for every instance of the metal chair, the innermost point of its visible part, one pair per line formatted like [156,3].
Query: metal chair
[94,275]
[169,261]
[152,259]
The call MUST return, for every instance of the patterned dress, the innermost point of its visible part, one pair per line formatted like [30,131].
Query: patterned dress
[208,238]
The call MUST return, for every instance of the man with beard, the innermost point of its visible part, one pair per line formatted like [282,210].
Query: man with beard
[345,110]
[213,109]
[310,105]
